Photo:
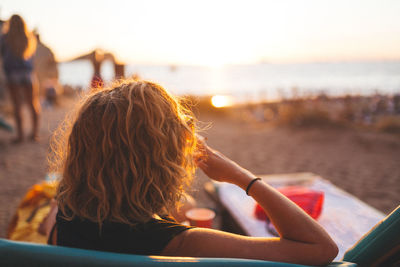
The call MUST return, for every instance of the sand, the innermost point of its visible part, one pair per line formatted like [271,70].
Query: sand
[363,163]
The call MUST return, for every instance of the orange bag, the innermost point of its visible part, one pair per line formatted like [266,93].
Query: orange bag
[31,212]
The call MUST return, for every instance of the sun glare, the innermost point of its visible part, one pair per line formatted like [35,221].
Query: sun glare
[215,64]
[220,101]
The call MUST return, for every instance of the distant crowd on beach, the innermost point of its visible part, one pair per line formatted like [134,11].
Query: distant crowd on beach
[379,110]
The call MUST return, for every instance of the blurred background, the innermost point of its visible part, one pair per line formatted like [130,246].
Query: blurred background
[281,86]
[256,50]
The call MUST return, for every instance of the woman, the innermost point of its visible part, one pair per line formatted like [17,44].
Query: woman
[18,46]
[130,154]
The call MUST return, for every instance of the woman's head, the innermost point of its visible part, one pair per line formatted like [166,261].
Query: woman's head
[128,154]
[21,42]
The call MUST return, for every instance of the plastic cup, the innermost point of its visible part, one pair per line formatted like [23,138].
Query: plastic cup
[200,217]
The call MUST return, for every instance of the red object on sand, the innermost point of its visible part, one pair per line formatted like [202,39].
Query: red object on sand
[310,201]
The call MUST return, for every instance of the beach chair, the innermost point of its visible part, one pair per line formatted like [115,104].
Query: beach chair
[14,253]
[379,247]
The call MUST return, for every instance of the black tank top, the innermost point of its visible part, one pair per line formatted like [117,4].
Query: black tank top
[148,238]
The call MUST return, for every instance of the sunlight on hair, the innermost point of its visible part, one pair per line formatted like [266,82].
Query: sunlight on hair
[220,101]
[97,155]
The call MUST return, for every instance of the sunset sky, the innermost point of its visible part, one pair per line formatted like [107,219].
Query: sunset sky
[216,32]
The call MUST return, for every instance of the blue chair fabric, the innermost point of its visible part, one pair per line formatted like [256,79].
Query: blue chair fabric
[23,254]
[380,246]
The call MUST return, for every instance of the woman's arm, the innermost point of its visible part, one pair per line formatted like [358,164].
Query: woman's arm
[302,240]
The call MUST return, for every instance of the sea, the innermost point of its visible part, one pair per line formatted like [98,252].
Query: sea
[254,82]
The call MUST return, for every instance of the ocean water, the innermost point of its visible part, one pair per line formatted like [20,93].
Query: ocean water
[257,82]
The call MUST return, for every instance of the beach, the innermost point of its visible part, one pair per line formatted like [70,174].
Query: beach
[359,161]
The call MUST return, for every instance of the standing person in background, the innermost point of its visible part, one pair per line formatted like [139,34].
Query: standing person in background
[46,72]
[96,58]
[18,46]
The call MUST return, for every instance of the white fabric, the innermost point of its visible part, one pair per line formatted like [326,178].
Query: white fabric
[345,217]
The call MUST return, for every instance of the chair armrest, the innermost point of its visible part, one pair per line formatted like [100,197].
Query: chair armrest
[380,245]
[22,254]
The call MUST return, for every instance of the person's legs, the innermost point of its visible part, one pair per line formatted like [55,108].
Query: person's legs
[31,92]
[14,90]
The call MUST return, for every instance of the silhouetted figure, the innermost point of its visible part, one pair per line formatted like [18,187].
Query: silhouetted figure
[46,70]
[119,69]
[95,57]
[18,46]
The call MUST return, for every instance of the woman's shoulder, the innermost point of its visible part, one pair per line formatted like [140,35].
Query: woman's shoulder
[165,226]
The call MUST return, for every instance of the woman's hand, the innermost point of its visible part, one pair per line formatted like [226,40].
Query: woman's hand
[217,166]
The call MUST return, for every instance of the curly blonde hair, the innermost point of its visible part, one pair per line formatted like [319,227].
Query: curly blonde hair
[128,154]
